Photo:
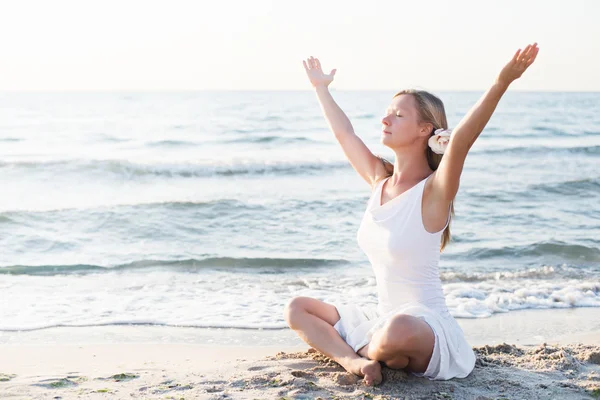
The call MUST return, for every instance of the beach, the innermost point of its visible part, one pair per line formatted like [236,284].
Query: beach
[548,354]
[150,242]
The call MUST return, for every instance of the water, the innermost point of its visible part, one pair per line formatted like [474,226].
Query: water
[213,209]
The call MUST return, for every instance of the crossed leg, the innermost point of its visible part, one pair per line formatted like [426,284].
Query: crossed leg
[404,342]
[313,321]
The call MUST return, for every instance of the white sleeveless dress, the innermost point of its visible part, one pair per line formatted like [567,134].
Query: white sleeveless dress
[405,258]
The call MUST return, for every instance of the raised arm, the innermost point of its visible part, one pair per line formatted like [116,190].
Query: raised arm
[368,166]
[446,179]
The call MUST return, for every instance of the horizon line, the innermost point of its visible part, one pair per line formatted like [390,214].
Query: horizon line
[32,91]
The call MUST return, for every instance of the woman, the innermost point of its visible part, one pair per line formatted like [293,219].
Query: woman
[404,229]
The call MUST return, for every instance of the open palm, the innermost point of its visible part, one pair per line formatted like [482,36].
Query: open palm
[519,63]
[315,74]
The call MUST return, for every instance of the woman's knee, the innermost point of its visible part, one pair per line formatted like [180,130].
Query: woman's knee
[399,334]
[299,306]
[293,309]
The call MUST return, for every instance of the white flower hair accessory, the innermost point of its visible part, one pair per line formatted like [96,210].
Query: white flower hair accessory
[438,142]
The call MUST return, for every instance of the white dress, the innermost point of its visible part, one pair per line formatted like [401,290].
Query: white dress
[405,258]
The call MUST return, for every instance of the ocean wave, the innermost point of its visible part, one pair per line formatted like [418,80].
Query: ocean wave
[363,116]
[272,139]
[184,170]
[545,129]
[552,131]
[570,188]
[187,265]
[543,150]
[262,129]
[240,326]
[464,300]
[568,251]
[542,129]
[543,272]
[591,133]
[581,188]
[171,143]
[215,208]
[218,207]
[485,299]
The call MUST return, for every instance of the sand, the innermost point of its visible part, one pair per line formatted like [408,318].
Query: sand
[128,363]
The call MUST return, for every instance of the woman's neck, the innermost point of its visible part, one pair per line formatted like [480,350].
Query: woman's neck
[410,166]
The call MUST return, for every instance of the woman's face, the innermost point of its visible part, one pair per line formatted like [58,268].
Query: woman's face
[401,125]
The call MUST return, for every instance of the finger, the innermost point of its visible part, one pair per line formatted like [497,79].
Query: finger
[532,47]
[318,63]
[516,56]
[524,54]
[305,66]
[333,71]
[532,52]
[536,49]
[532,58]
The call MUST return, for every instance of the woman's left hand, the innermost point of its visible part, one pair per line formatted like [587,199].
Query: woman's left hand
[519,63]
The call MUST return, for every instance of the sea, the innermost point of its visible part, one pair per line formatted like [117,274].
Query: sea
[212,209]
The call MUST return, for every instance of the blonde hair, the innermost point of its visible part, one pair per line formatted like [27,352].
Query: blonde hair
[430,110]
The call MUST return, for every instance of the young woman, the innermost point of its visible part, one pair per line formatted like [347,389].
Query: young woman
[404,229]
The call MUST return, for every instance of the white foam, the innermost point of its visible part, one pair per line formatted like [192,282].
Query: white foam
[245,300]
[508,295]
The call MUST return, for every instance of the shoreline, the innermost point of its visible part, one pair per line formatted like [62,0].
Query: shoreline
[164,362]
[523,327]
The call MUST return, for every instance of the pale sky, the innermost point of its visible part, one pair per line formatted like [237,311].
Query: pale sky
[63,45]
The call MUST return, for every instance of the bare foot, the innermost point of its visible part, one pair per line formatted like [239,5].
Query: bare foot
[369,369]
[372,372]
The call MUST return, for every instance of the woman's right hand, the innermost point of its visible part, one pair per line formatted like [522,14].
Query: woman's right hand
[317,77]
